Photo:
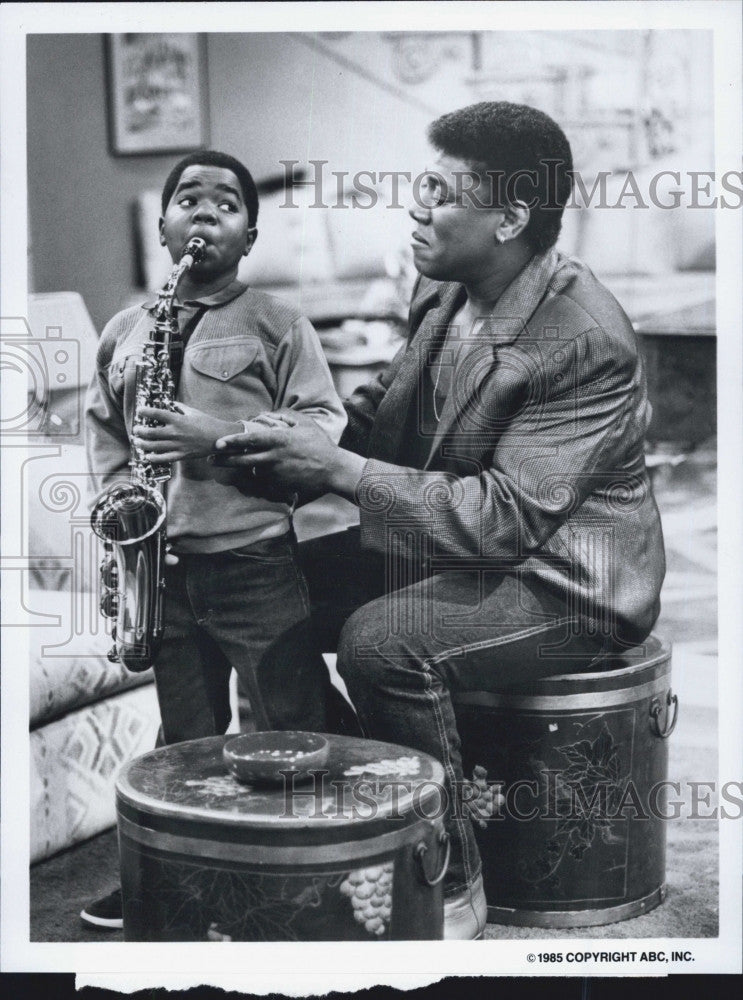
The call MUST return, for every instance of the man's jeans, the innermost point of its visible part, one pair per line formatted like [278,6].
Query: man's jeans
[248,609]
[405,640]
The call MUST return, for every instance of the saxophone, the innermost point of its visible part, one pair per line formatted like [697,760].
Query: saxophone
[130,518]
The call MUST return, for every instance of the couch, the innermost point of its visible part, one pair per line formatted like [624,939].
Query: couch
[87,716]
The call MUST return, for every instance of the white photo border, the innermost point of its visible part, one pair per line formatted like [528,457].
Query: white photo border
[299,969]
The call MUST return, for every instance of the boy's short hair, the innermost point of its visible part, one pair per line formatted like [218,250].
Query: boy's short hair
[507,140]
[213,158]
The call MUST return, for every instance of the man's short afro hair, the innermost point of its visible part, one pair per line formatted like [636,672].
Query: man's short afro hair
[213,158]
[509,139]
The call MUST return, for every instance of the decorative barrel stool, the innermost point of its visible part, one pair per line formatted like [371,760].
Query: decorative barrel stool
[357,854]
[578,838]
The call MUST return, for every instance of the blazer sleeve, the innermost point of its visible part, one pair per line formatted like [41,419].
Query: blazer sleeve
[362,405]
[590,415]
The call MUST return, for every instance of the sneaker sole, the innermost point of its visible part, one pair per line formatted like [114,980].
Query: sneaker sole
[102,923]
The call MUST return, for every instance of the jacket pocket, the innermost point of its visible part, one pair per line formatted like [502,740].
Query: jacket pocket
[121,369]
[222,361]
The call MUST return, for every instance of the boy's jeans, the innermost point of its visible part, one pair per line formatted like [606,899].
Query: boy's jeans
[247,609]
[405,640]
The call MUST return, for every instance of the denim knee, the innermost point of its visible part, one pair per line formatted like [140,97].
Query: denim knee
[349,641]
[366,650]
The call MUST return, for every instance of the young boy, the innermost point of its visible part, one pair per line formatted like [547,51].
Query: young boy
[236,597]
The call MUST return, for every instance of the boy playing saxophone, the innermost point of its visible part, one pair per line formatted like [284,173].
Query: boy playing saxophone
[236,597]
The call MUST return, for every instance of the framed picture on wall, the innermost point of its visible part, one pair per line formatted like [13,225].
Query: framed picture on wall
[156,93]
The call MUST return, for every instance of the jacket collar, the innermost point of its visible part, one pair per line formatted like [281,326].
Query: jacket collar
[433,305]
[508,320]
[520,299]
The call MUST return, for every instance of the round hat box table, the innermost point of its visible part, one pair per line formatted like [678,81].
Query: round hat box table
[357,853]
[580,760]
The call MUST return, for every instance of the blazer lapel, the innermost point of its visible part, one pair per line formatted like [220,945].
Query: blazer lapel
[503,326]
[391,422]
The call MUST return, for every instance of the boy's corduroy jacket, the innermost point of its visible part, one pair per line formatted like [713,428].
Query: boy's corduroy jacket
[248,354]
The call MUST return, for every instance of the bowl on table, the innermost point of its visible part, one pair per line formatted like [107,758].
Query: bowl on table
[259,758]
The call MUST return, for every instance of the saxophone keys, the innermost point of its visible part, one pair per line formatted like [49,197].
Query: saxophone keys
[110,574]
[110,604]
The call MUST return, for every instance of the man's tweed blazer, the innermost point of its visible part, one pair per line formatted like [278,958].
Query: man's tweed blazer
[537,465]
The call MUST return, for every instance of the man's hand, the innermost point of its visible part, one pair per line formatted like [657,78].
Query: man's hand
[290,448]
[182,433]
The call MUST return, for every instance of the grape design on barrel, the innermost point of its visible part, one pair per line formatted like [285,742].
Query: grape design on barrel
[486,798]
[370,892]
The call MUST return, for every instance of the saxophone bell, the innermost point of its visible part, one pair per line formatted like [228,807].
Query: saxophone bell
[130,519]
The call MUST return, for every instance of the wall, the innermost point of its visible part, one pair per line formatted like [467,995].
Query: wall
[275,97]
[271,97]
[359,101]
[79,195]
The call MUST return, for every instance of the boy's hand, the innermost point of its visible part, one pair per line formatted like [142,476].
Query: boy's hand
[182,433]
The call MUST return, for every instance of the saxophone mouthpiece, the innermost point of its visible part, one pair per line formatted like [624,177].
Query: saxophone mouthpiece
[195,249]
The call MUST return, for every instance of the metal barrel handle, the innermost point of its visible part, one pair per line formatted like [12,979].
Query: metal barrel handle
[420,852]
[672,710]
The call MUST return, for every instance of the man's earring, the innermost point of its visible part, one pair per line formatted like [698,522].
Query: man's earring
[499,238]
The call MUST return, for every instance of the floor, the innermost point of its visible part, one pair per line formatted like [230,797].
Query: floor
[60,886]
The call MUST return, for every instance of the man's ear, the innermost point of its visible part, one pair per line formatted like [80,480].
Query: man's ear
[252,237]
[161,227]
[515,219]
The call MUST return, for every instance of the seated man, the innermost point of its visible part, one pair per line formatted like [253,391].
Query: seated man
[508,529]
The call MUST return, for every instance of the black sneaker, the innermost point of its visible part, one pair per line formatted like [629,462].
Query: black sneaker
[104,914]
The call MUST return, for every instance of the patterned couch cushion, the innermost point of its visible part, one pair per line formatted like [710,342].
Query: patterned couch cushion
[74,764]
[58,489]
[68,663]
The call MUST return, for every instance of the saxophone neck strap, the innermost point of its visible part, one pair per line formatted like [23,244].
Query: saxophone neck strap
[181,334]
